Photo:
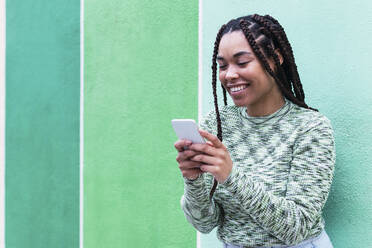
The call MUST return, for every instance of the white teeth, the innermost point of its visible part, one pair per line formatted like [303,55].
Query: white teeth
[235,89]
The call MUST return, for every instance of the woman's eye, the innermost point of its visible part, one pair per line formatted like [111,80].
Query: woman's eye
[222,67]
[243,63]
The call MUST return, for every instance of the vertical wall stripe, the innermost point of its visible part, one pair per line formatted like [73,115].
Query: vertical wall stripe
[200,80]
[2,122]
[141,67]
[200,61]
[42,123]
[81,222]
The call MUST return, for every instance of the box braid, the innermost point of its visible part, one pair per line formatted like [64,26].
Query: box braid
[214,85]
[281,38]
[264,34]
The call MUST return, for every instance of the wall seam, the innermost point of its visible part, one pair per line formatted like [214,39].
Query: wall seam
[200,63]
[81,203]
[200,84]
[2,119]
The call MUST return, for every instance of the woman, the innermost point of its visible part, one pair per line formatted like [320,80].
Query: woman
[275,166]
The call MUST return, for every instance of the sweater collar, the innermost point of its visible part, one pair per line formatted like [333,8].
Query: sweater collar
[267,119]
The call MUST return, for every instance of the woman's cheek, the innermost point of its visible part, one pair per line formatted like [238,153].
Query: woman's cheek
[221,76]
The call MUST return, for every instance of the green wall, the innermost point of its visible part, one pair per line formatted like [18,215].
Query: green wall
[42,123]
[331,43]
[140,72]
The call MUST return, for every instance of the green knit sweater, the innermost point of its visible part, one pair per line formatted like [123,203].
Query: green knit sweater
[282,173]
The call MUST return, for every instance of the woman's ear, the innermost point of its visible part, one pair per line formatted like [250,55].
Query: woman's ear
[279,55]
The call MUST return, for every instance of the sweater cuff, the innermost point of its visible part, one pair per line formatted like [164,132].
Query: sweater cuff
[231,179]
[193,188]
[192,181]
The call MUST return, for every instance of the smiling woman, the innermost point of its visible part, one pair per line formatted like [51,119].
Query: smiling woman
[244,78]
[266,184]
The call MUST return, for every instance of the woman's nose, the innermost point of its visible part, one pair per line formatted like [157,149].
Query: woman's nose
[231,73]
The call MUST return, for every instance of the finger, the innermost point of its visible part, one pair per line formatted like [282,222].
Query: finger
[204,148]
[186,155]
[215,141]
[209,168]
[181,144]
[186,165]
[205,159]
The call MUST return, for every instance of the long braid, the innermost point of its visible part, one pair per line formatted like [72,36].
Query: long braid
[286,47]
[214,80]
[281,38]
[287,92]
[282,75]
[269,50]
[269,31]
[268,47]
[244,26]
[214,83]
[224,95]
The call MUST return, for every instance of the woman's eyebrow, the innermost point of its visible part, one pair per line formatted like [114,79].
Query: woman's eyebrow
[235,55]
[241,53]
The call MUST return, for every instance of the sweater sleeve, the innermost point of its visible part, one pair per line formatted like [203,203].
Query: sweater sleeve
[290,217]
[203,213]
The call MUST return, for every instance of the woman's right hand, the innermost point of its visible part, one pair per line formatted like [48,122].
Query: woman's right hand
[189,169]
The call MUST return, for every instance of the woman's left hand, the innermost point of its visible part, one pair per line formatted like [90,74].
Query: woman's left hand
[215,157]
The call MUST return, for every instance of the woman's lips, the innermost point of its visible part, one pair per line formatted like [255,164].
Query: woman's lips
[238,89]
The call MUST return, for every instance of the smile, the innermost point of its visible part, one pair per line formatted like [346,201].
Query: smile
[239,88]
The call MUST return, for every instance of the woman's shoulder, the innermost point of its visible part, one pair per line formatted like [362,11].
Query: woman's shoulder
[308,118]
[228,112]
[225,112]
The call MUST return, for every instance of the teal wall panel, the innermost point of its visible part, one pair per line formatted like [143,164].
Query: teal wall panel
[141,67]
[42,123]
[330,42]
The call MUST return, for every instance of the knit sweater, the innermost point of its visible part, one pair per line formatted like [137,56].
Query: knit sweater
[282,172]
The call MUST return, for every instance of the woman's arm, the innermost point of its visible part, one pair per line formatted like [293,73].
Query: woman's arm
[204,214]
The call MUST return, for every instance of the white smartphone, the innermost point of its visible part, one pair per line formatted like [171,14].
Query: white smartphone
[187,129]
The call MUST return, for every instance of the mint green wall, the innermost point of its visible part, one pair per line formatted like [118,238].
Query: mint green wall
[42,124]
[331,43]
[140,72]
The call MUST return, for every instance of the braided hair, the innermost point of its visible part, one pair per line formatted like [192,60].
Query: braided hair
[265,35]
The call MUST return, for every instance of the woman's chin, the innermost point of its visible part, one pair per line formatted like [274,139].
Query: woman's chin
[240,103]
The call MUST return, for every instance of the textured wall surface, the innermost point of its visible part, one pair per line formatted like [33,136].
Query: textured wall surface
[140,72]
[42,124]
[330,42]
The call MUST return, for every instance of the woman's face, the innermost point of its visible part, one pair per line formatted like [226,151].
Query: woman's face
[242,74]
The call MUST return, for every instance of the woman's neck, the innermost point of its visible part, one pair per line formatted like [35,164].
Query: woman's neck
[263,108]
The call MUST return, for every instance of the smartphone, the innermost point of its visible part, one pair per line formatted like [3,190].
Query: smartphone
[187,129]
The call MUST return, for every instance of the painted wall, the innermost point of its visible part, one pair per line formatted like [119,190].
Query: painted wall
[2,123]
[330,42]
[140,72]
[42,124]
